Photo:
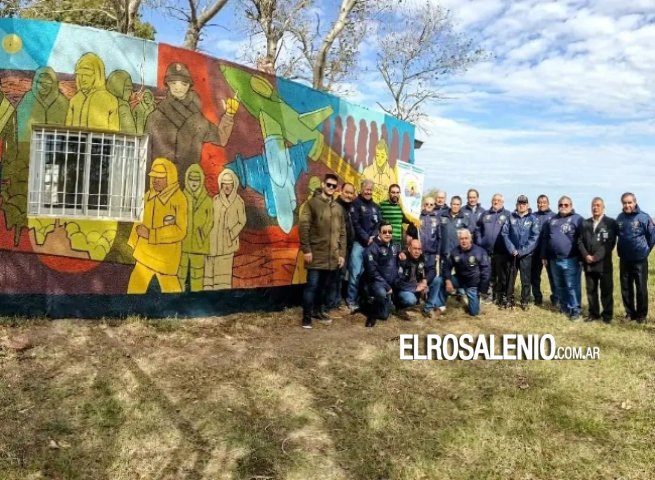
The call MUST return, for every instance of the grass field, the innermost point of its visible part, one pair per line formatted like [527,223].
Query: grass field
[257,397]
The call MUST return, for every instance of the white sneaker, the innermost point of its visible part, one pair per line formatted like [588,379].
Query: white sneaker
[442,308]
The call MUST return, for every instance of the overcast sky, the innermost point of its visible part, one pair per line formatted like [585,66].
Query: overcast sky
[565,106]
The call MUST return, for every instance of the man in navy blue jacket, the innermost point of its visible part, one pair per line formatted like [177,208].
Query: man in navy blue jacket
[636,237]
[450,222]
[472,271]
[487,236]
[560,250]
[365,215]
[543,214]
[520,234]
[473,207]
[381,265]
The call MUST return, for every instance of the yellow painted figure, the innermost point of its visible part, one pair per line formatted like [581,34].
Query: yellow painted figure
[229,220]
[92,106]
[380,172]
[195,246]
[157,242]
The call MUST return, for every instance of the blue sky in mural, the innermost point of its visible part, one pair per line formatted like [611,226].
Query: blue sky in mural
[565,106]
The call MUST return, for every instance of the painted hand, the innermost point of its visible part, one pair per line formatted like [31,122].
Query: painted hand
[231,105]
[142,231]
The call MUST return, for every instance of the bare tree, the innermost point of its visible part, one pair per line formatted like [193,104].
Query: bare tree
[197,14]
[299,45]
[273,19]
[416,49]
[126,12]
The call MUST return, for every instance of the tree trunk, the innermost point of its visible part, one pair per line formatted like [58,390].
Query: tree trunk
[318,70]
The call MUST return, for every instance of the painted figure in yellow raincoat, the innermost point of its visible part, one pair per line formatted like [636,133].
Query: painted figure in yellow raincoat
[92,105]
[380,172]
[157,242]
[195,246]
[229,220]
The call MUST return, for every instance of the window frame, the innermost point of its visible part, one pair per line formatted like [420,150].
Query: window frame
[126,171]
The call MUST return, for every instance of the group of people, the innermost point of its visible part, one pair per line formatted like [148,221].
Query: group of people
[468,251]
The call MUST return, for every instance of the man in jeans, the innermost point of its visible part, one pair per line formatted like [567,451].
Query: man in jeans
[636,236]
[560,250]
[418,278]
[365,215]
[472,271]
[323,243]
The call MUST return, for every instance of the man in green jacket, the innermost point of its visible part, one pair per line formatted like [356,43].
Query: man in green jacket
[322,230]
[393,213]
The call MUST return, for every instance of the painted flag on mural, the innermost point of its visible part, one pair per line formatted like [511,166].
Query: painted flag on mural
[410,179]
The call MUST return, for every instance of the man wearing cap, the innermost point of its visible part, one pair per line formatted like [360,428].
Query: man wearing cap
[229,220]
[157,242]
[596,243]
[178,129]
[520,234]
[560,250]
[195,246]
[322,231]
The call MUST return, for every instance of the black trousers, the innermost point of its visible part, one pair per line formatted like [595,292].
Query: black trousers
[523,266]
[499,271]
[634,276]
[604,280]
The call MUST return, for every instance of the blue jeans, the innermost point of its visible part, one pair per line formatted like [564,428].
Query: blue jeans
[355,268]
[381,306]
[316,288]
[472,295]
[406,298]
[436,296]
[567,279]
[535,273]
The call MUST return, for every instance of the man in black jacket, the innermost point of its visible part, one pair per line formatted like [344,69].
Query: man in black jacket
[596,242]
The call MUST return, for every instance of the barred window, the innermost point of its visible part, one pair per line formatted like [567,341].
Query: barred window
[84,174]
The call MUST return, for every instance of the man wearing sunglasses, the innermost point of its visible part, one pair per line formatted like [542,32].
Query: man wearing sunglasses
[323,242]
[636,237]
[381,265]
[560,250]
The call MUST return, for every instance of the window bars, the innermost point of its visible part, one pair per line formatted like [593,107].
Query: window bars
[83,174]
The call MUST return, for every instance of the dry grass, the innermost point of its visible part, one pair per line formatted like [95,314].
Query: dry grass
[257,397]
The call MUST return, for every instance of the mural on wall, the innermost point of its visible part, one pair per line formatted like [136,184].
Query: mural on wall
[232,155]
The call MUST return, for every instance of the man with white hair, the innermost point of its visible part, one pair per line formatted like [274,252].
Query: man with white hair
[472,271]
[366,217]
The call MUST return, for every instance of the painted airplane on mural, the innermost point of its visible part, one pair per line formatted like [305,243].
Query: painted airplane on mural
[274,173]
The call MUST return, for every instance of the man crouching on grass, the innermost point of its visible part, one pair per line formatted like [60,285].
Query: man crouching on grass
[381,267]
[418,279]
[472,271]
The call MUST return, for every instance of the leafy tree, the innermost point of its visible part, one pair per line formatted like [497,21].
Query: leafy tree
[116,15]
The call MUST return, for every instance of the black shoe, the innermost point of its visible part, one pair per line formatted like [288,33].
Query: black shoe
[607,320]
[307,324]
[538,301]
[641,320]
[524,305]
[370,322]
